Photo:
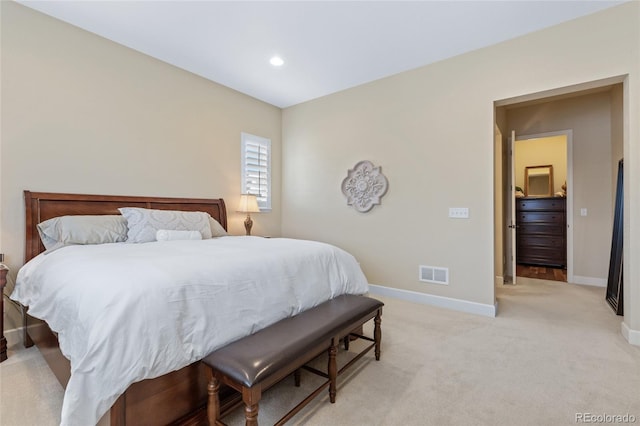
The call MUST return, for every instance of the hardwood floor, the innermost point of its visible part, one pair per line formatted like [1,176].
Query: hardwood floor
[541,272]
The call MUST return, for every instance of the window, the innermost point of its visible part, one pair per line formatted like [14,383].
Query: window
[256,169]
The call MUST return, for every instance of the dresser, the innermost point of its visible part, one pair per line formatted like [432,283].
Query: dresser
[541,231]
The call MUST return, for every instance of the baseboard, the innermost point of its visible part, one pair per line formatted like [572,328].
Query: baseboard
[498,280]
[440,301]
[632,336]
[596,282]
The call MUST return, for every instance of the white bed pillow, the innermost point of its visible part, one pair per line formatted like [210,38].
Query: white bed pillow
[91,229]
[216,229]
[144,223]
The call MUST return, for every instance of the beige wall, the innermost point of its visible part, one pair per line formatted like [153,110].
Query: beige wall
[82,114]
[542,151]
[617,135]
[432,131]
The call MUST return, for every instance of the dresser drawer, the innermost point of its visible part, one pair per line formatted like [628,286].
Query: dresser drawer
[550,218]
[530,229]
[548,204]
[550,242]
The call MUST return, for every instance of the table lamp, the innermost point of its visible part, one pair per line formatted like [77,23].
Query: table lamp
[248,204]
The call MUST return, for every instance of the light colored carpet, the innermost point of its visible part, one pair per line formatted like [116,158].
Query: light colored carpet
[554,351]
[29,392]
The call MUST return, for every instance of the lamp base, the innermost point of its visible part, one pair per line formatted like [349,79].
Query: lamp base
[248,223]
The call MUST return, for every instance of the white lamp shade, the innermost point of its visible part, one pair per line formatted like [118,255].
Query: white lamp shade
[248,204]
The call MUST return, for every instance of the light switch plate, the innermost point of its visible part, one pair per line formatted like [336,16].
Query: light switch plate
[459,212]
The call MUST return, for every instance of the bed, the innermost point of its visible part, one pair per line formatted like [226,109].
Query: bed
[171,395]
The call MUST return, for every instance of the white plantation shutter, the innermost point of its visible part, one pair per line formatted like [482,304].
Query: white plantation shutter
[256,168]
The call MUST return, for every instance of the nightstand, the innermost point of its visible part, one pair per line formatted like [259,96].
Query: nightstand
[3,281]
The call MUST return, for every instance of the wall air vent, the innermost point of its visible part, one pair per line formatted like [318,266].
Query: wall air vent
[432,274]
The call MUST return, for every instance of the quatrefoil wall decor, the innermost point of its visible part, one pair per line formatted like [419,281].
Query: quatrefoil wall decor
[364,186]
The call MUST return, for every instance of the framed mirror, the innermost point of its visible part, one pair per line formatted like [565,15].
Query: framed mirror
[538,181]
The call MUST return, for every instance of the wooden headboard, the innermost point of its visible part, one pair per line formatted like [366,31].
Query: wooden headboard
[41,206]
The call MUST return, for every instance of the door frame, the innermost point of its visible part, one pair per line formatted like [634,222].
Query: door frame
[631,319]
[568,133]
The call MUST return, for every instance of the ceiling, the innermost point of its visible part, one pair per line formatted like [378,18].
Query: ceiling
[327,46]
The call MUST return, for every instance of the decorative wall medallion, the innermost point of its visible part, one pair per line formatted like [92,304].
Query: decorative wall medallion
[364,186]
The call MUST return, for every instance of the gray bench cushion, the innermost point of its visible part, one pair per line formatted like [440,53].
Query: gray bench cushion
[254,358]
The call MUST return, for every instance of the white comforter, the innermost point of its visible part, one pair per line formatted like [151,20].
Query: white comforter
[127,312]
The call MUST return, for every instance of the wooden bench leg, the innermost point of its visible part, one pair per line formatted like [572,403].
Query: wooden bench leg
[296,377]
[332,369]
[213,405]
[251,396]
[352,336]
[251,415]
[377,333]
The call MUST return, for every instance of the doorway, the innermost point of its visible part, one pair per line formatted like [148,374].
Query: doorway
[594,114]
[543,182]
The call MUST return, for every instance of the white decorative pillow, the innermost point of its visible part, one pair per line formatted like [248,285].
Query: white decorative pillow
[144,223]
[93,229]
[216,229]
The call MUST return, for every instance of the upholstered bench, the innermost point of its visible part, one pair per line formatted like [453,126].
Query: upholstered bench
[256,362]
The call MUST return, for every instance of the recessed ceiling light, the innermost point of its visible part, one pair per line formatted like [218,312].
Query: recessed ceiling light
[276,61]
